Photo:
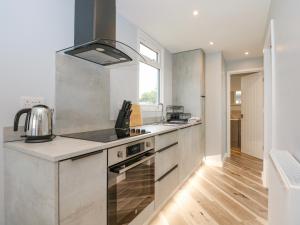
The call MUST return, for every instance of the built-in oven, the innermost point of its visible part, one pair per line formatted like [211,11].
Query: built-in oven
[130,181]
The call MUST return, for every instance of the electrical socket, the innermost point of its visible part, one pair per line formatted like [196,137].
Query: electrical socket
[29,101]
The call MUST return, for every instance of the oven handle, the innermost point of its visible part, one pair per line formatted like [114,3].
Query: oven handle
[135,164]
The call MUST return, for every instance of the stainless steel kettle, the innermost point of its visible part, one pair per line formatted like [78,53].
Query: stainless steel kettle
[38,123]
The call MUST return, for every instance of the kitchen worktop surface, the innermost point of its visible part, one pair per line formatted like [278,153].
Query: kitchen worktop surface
[62,148]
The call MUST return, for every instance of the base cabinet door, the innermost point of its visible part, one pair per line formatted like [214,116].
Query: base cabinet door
[185,154]
[166,185]
[82,190]
[191,149]
[198,150]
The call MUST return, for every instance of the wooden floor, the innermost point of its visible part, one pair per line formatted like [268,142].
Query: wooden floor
[229,195]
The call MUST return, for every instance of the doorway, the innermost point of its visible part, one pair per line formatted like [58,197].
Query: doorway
[245,118]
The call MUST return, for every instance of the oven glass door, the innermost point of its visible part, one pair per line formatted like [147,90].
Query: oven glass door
[130,188]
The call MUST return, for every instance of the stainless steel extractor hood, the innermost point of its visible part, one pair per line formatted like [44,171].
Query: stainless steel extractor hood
[95,35]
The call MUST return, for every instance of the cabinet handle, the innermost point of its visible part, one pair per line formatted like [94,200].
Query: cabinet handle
[165,148]
[167,173]
[86,155]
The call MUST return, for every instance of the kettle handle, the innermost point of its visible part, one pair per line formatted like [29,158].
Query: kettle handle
[17,118]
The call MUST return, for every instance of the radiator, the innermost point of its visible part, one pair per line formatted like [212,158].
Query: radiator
[284,189]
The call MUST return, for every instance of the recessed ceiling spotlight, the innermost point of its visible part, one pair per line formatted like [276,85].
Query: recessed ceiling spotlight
[100,49]
[195,13]
[246,53]
[211,43]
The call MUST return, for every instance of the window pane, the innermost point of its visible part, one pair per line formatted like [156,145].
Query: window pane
[144,50]
[148,84]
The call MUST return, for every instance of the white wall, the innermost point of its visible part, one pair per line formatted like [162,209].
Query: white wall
[215,108]
[244,64]
[31,32]
[285,102]
[286,113]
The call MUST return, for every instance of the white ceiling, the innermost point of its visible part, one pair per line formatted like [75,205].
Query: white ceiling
[235,26]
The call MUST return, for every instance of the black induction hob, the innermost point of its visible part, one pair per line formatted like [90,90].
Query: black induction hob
[107,135]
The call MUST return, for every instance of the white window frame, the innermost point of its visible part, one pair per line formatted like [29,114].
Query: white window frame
[147,41]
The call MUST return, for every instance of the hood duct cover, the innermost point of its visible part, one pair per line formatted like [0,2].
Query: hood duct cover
[95,34]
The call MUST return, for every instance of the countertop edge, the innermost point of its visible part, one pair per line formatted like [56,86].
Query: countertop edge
[94,146]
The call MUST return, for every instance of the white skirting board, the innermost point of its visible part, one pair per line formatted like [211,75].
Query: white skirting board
[284,189]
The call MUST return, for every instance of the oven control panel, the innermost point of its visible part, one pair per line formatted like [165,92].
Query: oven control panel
[123,152]
[135,149]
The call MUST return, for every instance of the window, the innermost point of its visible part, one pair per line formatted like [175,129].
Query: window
[149,74]
[148,84]
[145,51]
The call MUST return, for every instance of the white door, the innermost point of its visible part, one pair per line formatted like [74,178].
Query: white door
[252,111]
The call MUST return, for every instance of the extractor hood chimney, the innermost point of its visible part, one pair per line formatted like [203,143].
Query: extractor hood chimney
[95,34]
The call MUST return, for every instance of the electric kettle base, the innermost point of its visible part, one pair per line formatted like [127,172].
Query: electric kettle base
[40,139]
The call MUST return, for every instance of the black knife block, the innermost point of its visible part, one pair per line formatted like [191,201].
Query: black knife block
[122,121]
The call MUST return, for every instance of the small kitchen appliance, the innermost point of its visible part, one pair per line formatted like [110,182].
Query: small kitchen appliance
[176,115]
[38,123]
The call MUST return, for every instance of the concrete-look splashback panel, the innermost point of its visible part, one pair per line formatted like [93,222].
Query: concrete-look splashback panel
[82,96]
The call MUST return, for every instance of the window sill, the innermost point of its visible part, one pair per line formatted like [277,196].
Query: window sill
[151,108]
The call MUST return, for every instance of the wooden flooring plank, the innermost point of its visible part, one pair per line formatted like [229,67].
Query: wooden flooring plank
[252,171]
[173,218]
[226,202]
[219,214]
[195,214]
[242,172]
[242,179]
[240,197]
[244,155]
[249,192]
[245,166]
[248,162]
[231,195]
[258,164]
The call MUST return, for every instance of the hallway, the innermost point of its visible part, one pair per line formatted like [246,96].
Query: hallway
[231,195]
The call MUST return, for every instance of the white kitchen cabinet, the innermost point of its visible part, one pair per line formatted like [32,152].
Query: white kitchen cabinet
[164,140]
[191,149]
[166,185]
[198,144]
[165,159]
[167,154]
[185,152]
[82,190]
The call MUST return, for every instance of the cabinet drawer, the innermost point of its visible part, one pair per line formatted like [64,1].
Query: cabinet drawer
[165,159]
[164,140]
[165,186]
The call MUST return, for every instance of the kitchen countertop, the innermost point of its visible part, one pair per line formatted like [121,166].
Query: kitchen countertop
[62,148]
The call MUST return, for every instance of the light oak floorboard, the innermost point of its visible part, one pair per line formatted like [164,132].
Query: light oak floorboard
[228,195]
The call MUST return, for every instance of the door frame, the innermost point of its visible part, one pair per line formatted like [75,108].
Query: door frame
[269,97]
[228,105]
